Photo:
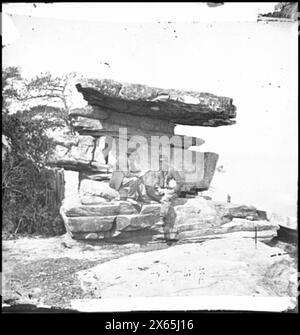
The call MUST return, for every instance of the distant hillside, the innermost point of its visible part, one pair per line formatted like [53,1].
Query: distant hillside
[284,10]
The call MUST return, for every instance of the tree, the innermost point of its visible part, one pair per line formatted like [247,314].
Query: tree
[10,76]
[45,95]
[52,91]
[24,169]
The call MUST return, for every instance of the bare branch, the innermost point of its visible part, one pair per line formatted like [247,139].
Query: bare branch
[43,96]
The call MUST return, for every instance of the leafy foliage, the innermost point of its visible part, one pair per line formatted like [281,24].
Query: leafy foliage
[47,87]
[10,76]
[26,180]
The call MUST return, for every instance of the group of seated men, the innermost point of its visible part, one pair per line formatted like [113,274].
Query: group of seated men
[148,186]
[160,186]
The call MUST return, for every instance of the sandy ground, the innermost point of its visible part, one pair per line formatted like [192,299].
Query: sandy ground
[44,271]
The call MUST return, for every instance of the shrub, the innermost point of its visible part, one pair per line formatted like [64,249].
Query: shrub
[26,179]
[25,184]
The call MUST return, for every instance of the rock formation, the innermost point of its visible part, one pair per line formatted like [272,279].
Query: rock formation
[136,123]
[225,267]
[142,111]
[195,219]
[175,107]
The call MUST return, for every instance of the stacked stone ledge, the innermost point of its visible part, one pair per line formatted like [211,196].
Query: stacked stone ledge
[197,219]
[98,213]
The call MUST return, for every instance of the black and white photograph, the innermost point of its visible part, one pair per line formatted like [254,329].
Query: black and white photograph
[149,159]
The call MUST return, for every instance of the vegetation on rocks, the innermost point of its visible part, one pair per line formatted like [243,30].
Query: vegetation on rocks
[27,181]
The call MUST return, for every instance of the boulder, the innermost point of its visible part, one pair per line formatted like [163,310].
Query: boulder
[103,209]
[135,222]
[92,224]
[248,225]
[229,211]
[195,211]
[97,188]
[92,200]
[80,150]
[106,209]
[81,154]
[126,207]
[222,212]
[199,219]
[153,209]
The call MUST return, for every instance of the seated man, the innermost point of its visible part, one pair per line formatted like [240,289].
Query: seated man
[152,185]
[158,182]
[127,182]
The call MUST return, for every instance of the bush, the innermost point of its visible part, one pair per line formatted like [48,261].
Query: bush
[30,204]
[25,184]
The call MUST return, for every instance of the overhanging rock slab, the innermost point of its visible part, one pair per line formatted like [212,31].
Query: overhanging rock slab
[175,106]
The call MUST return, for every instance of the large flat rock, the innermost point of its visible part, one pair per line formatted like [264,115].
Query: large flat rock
[175,106]
[232,267]
[91,224]
[92,200]
[198,219]
[97,188]
[217,211]
[153,209]
[135,222]
[81,154]
[104,209]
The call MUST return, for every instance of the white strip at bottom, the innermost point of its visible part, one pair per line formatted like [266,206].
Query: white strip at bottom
[196,303]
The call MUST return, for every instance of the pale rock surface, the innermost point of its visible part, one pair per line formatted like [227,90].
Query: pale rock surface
[231,266]
[242,224]
[91,224]
[289,222]
[153,209]
[105,209]
[92,200]
[97,188]
[199,219]
[135,222]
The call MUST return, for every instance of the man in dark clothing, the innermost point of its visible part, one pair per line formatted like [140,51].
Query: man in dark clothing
[172,186]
